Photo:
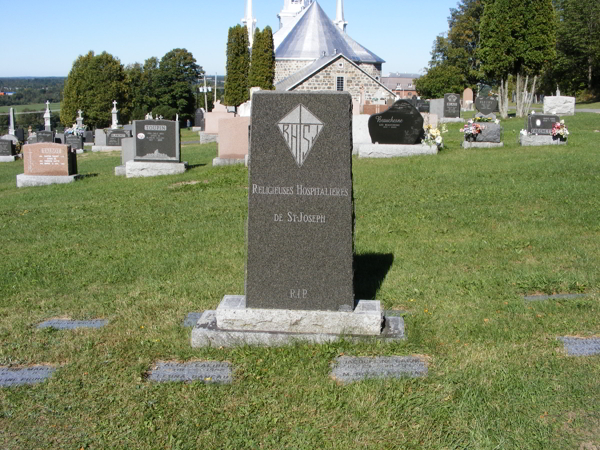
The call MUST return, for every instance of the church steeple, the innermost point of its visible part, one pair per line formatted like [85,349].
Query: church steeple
[249,21]
[339,16]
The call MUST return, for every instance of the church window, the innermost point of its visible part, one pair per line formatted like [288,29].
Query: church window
[340,83]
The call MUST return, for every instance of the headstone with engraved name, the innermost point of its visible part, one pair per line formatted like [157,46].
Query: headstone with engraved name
[205,371]
[48,159]
[400,124]
[422,106]
[76,142]
[347,369]
[486,105]
[10,376]
[541,124]
[113,137]
[45,136]
[156,140]
[451,105]
[7,148]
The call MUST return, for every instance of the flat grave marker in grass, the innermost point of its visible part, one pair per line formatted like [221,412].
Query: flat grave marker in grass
[347,369]
[67,324]
[540,297]
[218,372]
[576,346]
[191,319]
[25,375]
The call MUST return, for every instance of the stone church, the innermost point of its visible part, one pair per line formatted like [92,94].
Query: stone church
[314,53]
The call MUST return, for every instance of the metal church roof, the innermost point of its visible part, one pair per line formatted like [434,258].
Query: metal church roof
[314,33]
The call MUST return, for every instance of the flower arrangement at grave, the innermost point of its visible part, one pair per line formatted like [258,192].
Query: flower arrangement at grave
[433,135]
[471,130]
[485,119]
[559,130]
[76,130]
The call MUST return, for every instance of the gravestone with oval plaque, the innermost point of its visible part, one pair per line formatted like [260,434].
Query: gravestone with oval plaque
[402,123]
[452,105]
[541,124]
[156,140]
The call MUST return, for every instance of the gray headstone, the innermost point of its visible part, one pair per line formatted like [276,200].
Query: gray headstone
[45,136]
[451,105]
[206,371]
[199,119]
[113,137]
[127,150]
[349,368]
[100,137]
[20,134]
[300,211]
[436,106]
[192,319]
[128,128]
[486,105]
[88,137]
[64,324]
[156,140]
[76,142]
[59,138]
[26,375]
[7,148]
[541,124]
[491,132]
[581,346]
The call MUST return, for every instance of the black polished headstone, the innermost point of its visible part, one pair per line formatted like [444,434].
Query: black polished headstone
[26,375]
[347,369]
[300,211]
[451,105]
[156,140]
[205,371]
[76,142]
[7,147]
[114,137]
[20,134]
[45,136]
[541,124]
[486,105]
[422,106]
[402,123]
[88,137]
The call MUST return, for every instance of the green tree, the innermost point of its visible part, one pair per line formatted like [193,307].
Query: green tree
[518,37]
[174,81]
[262,60]
[440,80]
[238,64]
[94,82]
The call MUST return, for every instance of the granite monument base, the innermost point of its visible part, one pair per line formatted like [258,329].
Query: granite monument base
[227,161]
[10,158]
[197,128]
[106,148]
[394,150]
[120,171]
[467,144]
[135,169]
[206,138]
[451,120]
[236,326]
[532,140]
[44,180]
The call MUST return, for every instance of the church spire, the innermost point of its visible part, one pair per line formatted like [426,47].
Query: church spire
[339,16]
[249,21]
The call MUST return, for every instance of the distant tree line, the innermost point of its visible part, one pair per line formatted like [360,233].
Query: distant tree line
[518,46]
[164,87]
[31,90]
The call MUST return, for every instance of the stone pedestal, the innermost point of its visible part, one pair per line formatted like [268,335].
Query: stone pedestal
[467,144]
[451,120]
[135,169]
[395,150]
[532,140]
[9,158]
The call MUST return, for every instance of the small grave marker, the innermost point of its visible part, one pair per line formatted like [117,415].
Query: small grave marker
[66,324]
[192,319]
[349,368]
[581,346]
[25,375]
[206,371]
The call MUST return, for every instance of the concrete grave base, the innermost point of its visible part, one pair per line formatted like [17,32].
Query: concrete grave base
[227,161]
[532,140]
[120,171]
[9,158]
[44,180]
[467,144]
[197,128]
[135,169]
[79,151]
[207,333]
[205,138]
[451,120]
[105,148]
[394,150]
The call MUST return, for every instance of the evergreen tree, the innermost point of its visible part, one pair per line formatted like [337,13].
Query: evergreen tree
[262,60]
[92,84]
[238,63]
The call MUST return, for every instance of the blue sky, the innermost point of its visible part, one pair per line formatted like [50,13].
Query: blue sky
[51,35]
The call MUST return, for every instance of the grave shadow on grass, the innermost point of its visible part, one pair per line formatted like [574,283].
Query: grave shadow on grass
[370,269]
[193,166]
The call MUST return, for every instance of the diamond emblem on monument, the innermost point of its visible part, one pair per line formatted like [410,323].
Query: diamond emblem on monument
[300,130]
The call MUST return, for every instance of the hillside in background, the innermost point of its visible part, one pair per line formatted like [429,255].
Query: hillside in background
[26,90]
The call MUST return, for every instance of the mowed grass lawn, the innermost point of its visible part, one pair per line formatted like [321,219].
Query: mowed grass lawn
[468,234]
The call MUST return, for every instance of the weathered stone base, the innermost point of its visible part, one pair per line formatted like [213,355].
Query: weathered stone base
[206,333]
[391,150]
[120,171]
[451,120]
[9,158]
[135,169]
[467,144]
[366,319]
[227,161]
[197,128]
[205,138]
[104,148]
[532,140]
[79,151]
[44,180]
